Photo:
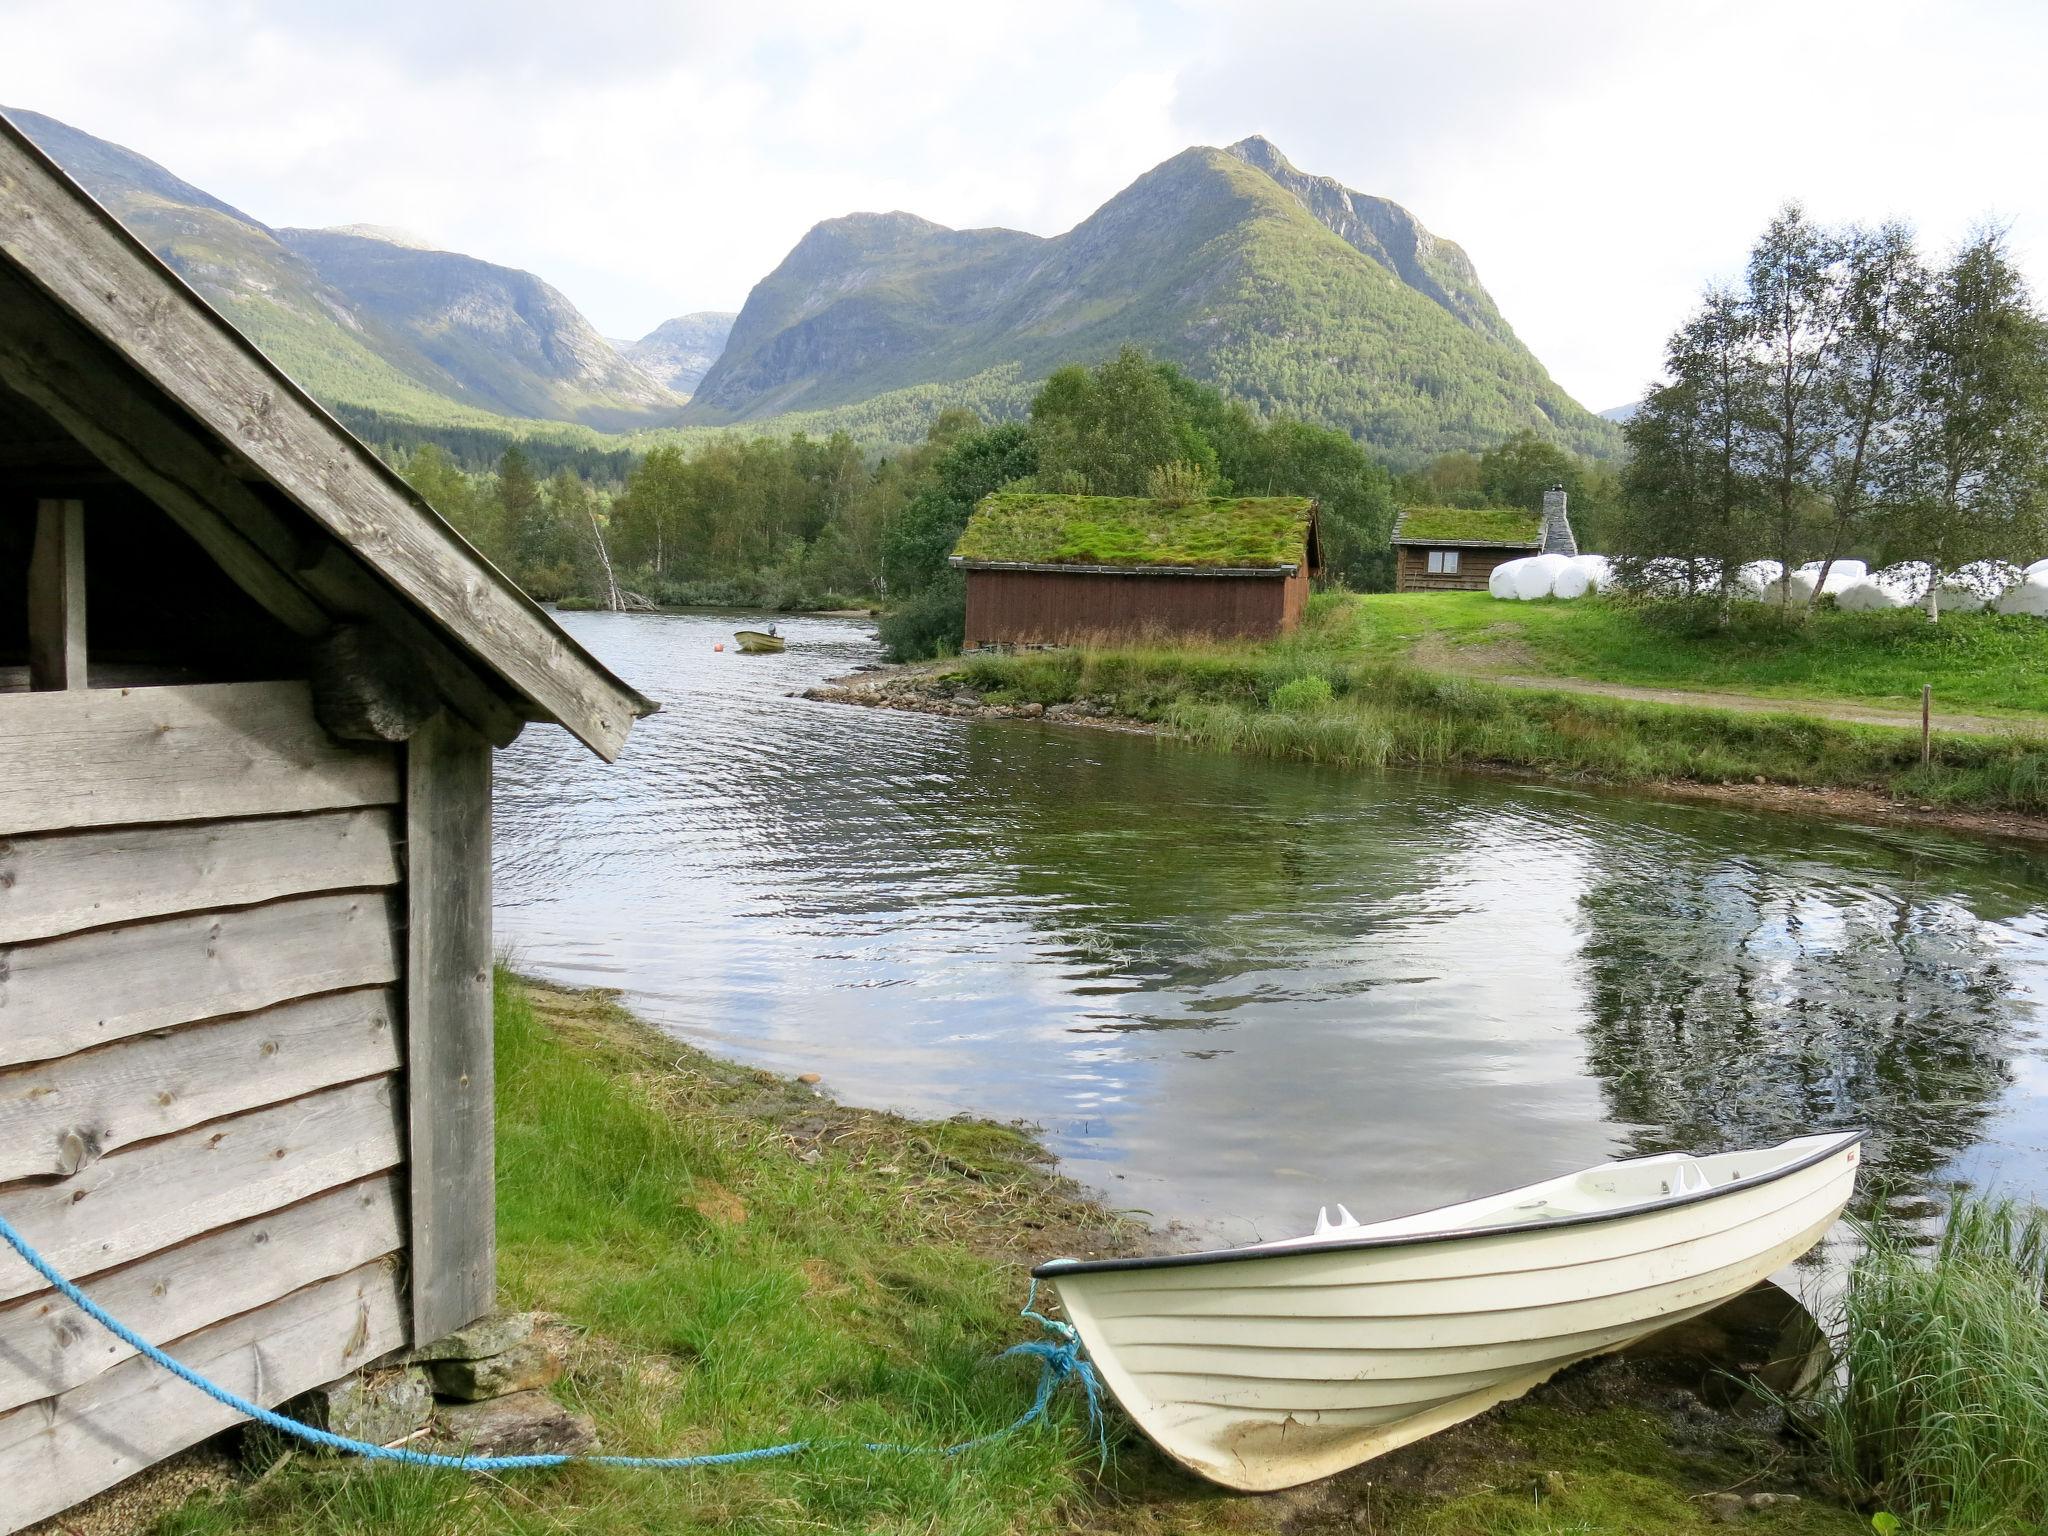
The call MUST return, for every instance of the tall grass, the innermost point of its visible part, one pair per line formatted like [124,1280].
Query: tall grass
[1940,1411]
[1295,700]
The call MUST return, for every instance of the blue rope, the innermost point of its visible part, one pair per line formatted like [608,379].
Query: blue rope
[1057,1362]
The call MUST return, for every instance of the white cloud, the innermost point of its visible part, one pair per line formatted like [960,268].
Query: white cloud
[1599,161]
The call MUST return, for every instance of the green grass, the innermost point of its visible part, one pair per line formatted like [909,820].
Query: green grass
[1940,1414]
[746,1262]
[1487,525]
[1132,530]
[1976,662]
[752,1264]
[1381,714]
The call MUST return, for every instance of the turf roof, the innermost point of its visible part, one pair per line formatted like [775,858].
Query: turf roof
[1032,528]
[1469,525]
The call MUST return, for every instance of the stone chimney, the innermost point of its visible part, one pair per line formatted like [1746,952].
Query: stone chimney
[1557,528]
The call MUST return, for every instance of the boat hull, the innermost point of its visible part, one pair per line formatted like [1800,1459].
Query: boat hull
[754,642]
[1268,1369]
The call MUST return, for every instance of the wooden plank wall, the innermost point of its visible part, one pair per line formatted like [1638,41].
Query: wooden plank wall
[201,1115]
[1411,569]
[1059,608]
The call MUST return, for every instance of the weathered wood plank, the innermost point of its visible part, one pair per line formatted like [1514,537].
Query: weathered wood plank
[57,1116]
[101,275]
[54,1453]
[63,995]
[149,1197]
[48,1346]
[202,752]
[56,598]
[56,883]
[448,1027]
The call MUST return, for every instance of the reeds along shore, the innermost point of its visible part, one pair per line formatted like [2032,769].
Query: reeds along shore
[1294,702]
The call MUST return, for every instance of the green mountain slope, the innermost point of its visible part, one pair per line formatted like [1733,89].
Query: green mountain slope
[1287,290]
[367,323]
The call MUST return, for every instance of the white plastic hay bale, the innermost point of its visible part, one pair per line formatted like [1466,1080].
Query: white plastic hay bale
[1866,596]
[1755,578]
[2038,568]
[1897,586]
[1842,575]
[1798,583]
[1538,575]
[1573,581]
[1978,585]
[1599,571]
[1502,582]
[2029,597]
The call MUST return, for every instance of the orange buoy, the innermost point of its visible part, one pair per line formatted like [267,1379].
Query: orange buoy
[719,647]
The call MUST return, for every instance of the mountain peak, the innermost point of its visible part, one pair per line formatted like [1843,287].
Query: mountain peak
[1300,294]
[390,235]
[1258,150]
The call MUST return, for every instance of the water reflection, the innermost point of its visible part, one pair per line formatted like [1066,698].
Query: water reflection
[1232,990]
[1804,984]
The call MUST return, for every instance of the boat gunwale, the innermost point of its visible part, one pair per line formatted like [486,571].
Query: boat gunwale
[1060,1269]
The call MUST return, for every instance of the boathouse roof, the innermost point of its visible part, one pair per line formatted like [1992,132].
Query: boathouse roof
[1485,527]
[97,333]
[1030,530]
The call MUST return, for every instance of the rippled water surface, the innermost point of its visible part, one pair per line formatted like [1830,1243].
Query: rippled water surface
[1232,990]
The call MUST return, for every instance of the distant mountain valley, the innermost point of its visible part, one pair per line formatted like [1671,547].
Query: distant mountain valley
[1287,290]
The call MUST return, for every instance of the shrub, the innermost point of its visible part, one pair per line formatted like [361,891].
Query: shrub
[932,622]
[1302,696]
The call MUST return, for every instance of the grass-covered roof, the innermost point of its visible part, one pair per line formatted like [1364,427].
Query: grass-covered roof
[1468,525]
[1032,528]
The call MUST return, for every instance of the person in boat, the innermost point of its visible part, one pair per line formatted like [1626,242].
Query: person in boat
[774,630]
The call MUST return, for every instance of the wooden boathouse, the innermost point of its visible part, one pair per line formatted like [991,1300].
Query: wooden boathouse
[1056,570]
[250,685]
[1455,549]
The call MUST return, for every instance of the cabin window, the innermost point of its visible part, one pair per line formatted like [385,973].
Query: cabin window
[1443,562]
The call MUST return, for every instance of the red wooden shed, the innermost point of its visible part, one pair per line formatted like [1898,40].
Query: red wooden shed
[1056,570]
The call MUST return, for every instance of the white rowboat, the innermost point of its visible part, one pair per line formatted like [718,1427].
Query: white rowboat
[1268,1366]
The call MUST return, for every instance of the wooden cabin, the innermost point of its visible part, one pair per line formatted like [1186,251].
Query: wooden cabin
[1056,570]
[250,686]
[1455,549]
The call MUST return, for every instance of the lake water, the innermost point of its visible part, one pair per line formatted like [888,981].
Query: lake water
[1230,991]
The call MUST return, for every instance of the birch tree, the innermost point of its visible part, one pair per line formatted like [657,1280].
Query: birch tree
[1970,481]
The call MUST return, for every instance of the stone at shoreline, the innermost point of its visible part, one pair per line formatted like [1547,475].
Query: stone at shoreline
[524,1424]
[1724,1508]
[527,1366]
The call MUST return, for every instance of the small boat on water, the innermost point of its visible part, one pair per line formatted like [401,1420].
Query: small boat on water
[756,642]
[1269,1366]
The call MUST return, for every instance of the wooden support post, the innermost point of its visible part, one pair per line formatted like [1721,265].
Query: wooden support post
[56,599]
[448,1026]
[1926,724]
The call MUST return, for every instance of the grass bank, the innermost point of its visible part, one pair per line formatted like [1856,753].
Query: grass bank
[745,1262]
[1307,698]
[1976,662]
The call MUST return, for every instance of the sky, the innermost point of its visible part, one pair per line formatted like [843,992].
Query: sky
[1601,161]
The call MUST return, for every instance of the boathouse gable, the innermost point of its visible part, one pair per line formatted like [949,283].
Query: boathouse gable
[250,686]
[1053,570]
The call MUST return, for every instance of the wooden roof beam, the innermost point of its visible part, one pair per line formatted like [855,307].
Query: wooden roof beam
[79,255]
[306,584]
